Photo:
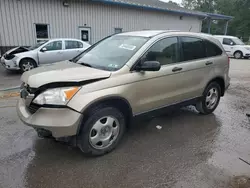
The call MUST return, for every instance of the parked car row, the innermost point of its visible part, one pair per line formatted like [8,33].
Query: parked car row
[45,52]
[93,98]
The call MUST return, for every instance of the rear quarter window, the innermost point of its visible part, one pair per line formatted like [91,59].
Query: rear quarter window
[212,49]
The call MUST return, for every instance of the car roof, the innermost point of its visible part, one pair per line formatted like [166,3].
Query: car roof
[64,39]
[146,33]
[153,33]
[224,36]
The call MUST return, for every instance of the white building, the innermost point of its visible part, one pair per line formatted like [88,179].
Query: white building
[24,22]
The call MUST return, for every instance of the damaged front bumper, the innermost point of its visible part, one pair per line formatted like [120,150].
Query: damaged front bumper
[9,64]
[60,122]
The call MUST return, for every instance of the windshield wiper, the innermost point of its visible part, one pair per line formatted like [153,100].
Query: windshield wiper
[86,64]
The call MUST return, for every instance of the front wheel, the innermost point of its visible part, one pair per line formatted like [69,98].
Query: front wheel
[210,99]
[102,131]
[238,55]
[27,64]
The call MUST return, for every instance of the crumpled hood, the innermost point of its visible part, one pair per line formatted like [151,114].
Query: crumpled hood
[18,49]
[64,71]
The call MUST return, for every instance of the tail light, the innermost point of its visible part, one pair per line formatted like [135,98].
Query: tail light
[228,60]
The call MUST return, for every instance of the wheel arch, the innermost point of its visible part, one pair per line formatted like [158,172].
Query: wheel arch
[238,51]
[118,102]
[23,58]
[220,81]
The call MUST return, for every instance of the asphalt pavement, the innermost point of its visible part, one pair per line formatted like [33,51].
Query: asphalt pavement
[190,151]
[9,79]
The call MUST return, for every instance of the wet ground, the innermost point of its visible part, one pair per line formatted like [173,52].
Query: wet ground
[9,78]
[190,151]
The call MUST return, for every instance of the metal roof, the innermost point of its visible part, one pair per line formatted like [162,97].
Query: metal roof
[219,16]
[162,6]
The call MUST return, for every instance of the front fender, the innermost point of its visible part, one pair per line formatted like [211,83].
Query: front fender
[81,101]
[24,55]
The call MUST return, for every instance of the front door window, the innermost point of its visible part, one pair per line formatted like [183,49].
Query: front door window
[52,46]
[164,51]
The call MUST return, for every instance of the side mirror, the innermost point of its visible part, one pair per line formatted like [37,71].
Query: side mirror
[43,49]
[148,66]
[231,43]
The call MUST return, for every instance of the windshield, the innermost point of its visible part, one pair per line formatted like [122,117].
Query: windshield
[237,41]
[37,45]
[112,53]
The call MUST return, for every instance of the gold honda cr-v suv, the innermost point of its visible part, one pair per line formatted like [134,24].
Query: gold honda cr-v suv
[93,97]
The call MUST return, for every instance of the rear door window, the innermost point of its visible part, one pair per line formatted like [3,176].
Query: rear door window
[71,44]
[212,49]
[192,48]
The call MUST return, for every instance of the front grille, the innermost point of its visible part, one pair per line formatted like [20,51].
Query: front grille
[32,108]
[28,88]
[27,94]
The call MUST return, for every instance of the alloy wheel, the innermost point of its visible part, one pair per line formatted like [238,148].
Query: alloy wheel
[212,98]
[237,55]
[104,132]
[27,66]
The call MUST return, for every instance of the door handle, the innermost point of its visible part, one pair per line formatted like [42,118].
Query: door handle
[176,69]
[59,52]
[209,63]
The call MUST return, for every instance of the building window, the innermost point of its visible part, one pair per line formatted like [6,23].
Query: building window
[118,30]
[42,32]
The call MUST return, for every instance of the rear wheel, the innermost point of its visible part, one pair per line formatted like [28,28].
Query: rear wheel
[27,64]
[238,55]
[210,99]
[102,131]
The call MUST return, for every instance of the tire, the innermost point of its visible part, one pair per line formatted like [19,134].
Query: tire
[238,55]
[206,106]
[43,133]
[27,64]
[102,131]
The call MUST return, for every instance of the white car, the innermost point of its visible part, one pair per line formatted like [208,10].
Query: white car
[234,46]
[45,52]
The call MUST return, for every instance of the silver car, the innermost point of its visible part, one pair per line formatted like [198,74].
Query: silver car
[45,52]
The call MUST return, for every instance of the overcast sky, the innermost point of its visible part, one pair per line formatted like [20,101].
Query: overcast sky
[177,1]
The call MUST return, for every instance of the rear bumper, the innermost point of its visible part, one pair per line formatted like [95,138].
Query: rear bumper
[61,122]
